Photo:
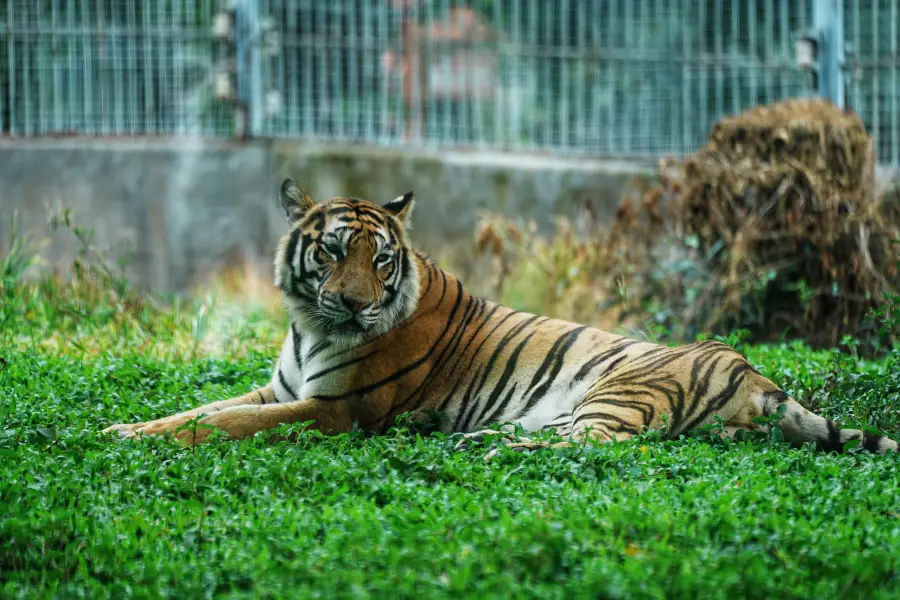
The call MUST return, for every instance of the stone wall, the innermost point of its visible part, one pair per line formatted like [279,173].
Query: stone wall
[177,211]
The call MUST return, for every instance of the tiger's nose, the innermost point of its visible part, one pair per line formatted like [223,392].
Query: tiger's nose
[355,305]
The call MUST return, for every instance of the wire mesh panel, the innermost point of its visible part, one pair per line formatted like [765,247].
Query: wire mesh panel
[603,77]
[872,65]
[325,77]
[108,67]
[623,77]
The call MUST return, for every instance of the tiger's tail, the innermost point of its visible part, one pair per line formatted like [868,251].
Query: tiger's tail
[800,425]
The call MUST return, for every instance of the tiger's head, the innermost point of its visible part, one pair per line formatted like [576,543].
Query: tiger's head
[346,268]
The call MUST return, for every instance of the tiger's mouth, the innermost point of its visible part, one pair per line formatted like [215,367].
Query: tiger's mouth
[350,326]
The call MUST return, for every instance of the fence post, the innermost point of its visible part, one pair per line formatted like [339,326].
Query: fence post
[248,64]
[828,21]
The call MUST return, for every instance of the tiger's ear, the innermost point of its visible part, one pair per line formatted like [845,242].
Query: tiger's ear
[401,207]
[294,200]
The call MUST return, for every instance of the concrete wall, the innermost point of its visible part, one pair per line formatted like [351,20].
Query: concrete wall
[179,210]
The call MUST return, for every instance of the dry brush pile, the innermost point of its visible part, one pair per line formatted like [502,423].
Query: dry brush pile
[773,226]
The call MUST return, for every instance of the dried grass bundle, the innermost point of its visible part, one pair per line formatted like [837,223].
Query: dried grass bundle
[786,193]
[773,226]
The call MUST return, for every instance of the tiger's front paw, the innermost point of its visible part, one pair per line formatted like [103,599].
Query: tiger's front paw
[157,427]
[123,430]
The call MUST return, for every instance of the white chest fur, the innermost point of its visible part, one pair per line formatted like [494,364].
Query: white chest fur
[322,374]
[310,366]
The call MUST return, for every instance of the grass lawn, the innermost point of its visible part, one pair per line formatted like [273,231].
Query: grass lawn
[402,515]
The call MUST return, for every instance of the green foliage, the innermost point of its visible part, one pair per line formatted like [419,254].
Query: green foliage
[403,515]
[22,252]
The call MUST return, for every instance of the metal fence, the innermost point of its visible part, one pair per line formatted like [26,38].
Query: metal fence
[872,70]
[600,77]
[109,68]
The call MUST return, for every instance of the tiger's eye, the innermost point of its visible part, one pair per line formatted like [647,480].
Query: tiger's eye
[333,251]
[382,260]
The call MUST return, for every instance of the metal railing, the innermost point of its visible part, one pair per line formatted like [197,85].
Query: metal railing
[872,71]
[599,77]
[617,77]
[109,68]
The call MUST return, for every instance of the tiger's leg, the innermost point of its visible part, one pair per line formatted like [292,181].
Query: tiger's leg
[583,424]
[692,389]
[245,420]
[588,429]
[264,395]
[755,396]
[506,434]
[675,393]
[700,386]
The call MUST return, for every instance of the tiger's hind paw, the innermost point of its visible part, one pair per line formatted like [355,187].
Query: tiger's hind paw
[524,447]
[476,437]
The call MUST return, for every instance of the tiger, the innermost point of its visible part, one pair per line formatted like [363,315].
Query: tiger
[379,330]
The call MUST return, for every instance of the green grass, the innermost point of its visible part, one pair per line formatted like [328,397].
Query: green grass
[401,515]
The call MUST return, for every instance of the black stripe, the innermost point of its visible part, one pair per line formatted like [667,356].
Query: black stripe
[291,250]
[298,348]
[598,359]
[317,348]
[833,442]
[699,385]
[564,416]
[369,211]
[397,277]
[464,406]
[405,263]
[605,418]
[508,372]
[466,403]
[872,442]
[367,219]
[448,351]
[309,299]
[636,370]
[285,383]
[700,382]
[340,210]
[719,400]
[262,399]
[430,272]
[492,359]
[779,396]
[556,356]
[499,411]
[304,274]
[669,388]
[461,355]
[646,409]
[340,366]
[317,221]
